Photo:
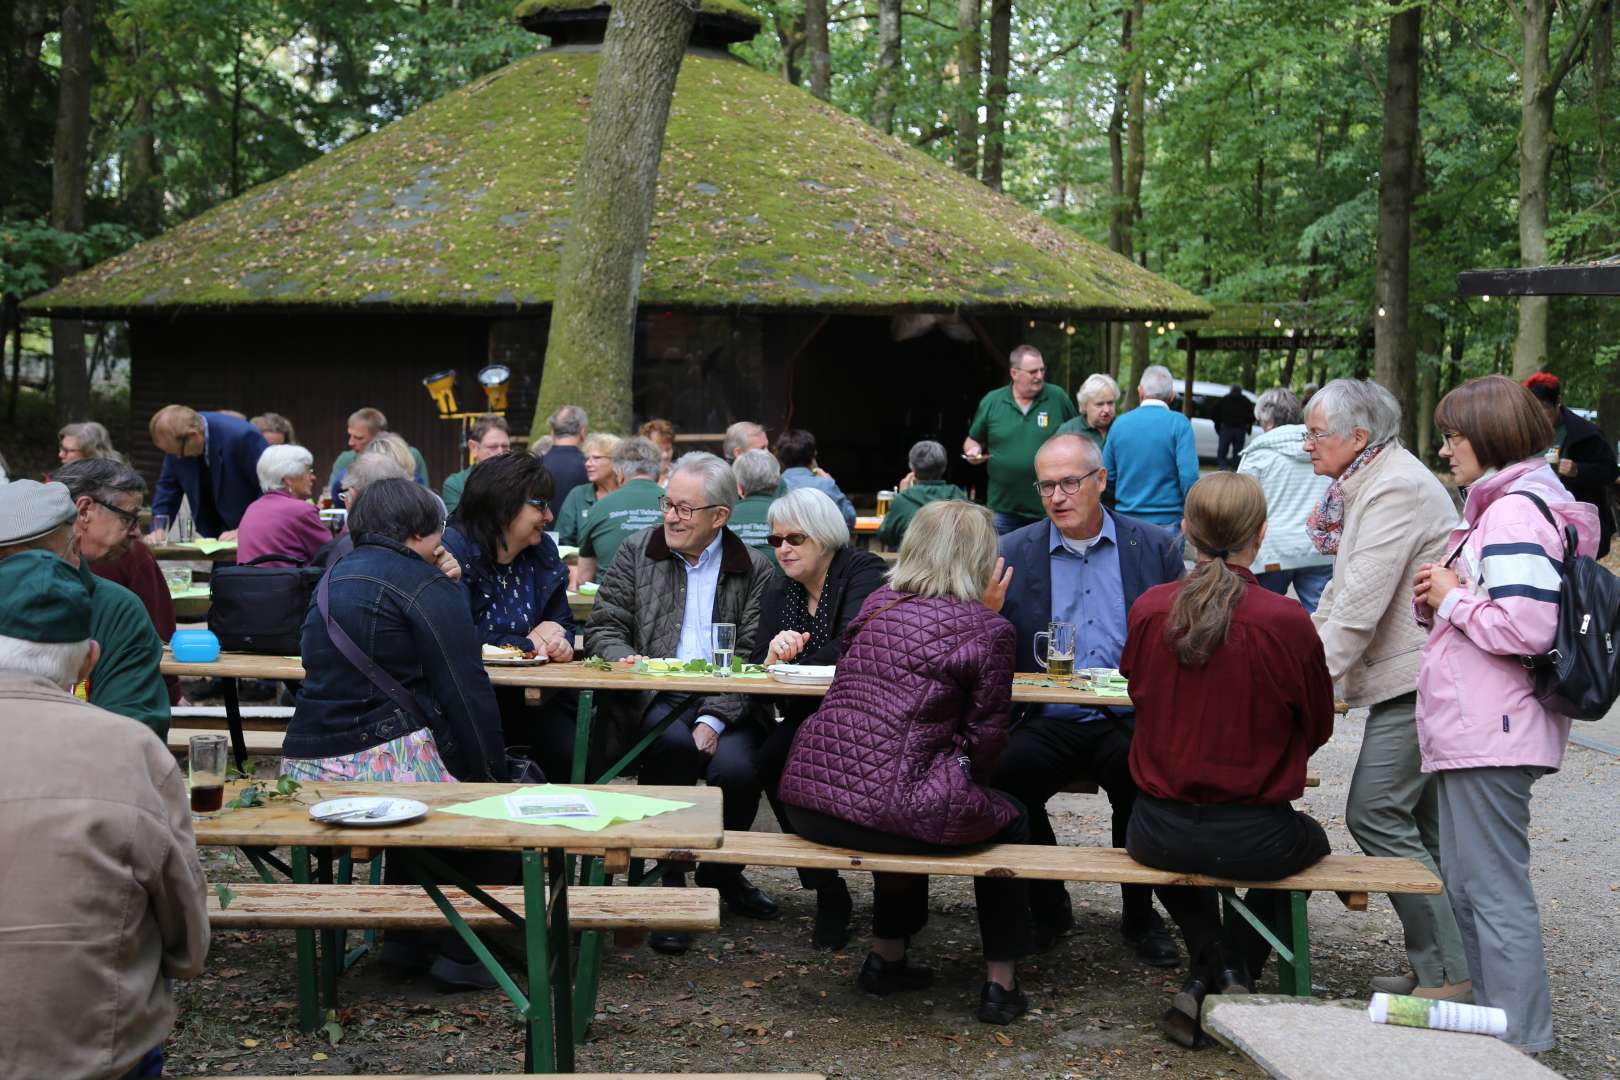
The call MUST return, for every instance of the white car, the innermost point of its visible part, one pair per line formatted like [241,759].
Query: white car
[1206,398]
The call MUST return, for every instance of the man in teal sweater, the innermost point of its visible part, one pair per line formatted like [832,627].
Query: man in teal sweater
[1150,456]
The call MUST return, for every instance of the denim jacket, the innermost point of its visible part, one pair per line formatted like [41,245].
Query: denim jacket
[415,623]
[509,601]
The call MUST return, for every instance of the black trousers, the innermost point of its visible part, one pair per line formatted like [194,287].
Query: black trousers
[900,901]
[1229,446]
[1043,756]
[675,760]
[544,732]
[770,761]
[1257,843]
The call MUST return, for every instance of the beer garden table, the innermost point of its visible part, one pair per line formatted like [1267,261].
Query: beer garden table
[547,1003]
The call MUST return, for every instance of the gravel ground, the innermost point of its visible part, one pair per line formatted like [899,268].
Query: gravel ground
[756,996]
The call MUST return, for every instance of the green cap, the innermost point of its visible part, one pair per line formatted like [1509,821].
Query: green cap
[45,600]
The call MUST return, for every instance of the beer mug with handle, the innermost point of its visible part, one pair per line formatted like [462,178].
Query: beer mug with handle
[1057,656]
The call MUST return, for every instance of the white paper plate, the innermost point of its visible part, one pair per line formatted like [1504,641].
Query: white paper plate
[398,811]
[803,674]
[516,661]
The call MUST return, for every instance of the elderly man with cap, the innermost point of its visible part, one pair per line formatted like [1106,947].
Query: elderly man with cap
[105,900]
[125,679]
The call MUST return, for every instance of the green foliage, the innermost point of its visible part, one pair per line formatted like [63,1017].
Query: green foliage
[226,894]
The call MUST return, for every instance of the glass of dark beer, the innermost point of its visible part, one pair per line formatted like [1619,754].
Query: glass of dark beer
[207,757]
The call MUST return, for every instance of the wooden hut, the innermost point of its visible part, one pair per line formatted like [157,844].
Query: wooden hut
[803,268]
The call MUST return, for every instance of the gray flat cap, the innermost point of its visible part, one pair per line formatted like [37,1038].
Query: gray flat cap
[30,510]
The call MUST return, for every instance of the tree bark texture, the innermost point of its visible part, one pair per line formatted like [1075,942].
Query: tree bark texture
[888,66]
[968,71]
[590,349]
[995,97]
[815,33]
[1394,349]
[68,168]
[1135,162]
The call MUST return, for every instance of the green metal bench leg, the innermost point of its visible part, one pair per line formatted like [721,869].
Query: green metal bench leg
[333,942]
[1293,956]
[561,944]
[582,735]
[588,972]
[1298,918]
[539,1055]
[309,1002]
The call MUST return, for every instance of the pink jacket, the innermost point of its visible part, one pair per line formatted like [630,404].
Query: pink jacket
[276,523]
[1476,705]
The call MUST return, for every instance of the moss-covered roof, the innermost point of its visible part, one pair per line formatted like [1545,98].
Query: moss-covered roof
[768,199]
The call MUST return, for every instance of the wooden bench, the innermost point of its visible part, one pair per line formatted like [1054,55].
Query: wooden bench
[1351,877]
[259,743]
[1086,786]
[579,1076]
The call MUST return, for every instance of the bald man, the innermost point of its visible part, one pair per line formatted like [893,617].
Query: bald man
[211,459]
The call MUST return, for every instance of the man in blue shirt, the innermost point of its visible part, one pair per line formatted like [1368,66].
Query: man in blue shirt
[1083,565]
[796,451]
[1150,455]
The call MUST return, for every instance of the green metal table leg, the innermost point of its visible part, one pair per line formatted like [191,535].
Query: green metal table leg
[582,735]
[678,713]
[1287,954]
[1298,917]
[309,1002]
[561,963]
[332,941]
[588,973]
[539,1055]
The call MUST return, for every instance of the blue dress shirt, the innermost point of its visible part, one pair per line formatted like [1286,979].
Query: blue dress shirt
[697,621]
[1088,592]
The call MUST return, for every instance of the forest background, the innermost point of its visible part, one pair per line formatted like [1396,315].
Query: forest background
[1335,164]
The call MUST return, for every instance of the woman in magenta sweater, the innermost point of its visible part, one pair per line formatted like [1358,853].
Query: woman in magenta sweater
[283,521]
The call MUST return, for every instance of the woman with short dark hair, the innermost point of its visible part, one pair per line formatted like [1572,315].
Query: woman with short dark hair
[519,591]
[1481,729]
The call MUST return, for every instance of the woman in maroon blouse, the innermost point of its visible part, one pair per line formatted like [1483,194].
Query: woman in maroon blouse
[1232,695]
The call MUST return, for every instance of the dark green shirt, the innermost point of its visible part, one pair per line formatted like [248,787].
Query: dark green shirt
[748,522]
[1011,436]
[1078,426]
[451,492]
[616,516]
[126,679]
[573,512]
[906,504]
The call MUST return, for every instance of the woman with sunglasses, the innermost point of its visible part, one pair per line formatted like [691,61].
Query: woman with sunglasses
[519,591]
[802,616]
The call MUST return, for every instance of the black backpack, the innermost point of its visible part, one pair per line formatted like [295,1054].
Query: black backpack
[1580,677]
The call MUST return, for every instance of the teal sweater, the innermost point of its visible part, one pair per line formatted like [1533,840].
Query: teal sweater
[1151,463]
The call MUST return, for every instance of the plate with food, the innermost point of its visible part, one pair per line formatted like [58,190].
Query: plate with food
[512,656]
[367,811]
[803,674]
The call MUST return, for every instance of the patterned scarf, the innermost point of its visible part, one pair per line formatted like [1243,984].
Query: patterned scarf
[1326,522]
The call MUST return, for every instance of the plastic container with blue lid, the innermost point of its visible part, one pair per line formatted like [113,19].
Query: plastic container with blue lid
[194,646]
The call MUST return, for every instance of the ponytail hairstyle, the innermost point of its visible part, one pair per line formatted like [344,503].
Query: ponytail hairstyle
[1224,513]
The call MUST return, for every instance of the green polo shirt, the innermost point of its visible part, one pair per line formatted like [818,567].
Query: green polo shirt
[616,516]
[1011,436]
[907,503]
[748,522]
[126,679]
[1078,426]
[451,492]
[571,516]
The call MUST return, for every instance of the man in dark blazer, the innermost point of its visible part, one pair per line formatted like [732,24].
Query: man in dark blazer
[210,458]
[1083,565]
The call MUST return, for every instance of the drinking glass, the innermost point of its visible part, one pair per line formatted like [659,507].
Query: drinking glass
[885,499]
[185,530]
[206,762]
[1057,656]
[725,644]
[178,578]
[160,526]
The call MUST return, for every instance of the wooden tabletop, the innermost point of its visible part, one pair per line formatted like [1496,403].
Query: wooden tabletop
[186,552]
[576,676]
[287,821]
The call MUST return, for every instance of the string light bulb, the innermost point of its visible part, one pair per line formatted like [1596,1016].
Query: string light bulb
[1380,313]
[1276,324]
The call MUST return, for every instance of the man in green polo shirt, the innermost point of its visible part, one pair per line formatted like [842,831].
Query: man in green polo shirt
[620,514]
[758,477]
[1010,426]
[490,438]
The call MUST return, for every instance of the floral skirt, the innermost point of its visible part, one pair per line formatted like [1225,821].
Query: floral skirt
[411,758]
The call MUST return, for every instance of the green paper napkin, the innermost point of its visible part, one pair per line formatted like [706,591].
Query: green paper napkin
[611,807]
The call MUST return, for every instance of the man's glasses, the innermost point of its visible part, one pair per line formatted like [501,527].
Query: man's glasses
[130,518]
[793,539]
[681,510]
[538,504]
[1069,484]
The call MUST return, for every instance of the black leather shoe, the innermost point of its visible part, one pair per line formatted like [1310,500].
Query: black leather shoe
[833,909]
[1180,1021]
[998,1005]
[452,974]
[884,977]
[1233,979]
[1153,943]
[744,899]
[670,942]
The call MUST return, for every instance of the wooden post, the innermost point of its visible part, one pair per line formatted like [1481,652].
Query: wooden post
[1192,366]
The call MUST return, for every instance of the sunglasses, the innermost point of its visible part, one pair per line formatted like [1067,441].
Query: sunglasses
[794,539]
[538,504]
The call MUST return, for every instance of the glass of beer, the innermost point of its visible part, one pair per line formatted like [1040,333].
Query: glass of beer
[1054,649]
[206,763]
[725,646]
[884,500]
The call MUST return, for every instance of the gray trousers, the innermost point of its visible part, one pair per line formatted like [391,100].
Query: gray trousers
[1485,850]
[1393,811]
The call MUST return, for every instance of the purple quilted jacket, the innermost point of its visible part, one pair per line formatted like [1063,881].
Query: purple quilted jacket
[912,724]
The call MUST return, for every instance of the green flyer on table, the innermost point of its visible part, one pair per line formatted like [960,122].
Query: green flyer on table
[573,808]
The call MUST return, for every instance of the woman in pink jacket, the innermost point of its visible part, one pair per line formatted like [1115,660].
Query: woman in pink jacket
[1480,726]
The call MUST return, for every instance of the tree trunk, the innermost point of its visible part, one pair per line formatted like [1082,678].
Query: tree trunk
[1428,394]
[1286,379]
[1394,351]
[68,174]
[142,190]
[1604,101]
[968,87]
[815,33]
[590,350]
[995,109]
[888,66]
[1135,161]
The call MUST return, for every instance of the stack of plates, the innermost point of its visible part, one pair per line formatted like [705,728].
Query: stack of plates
[803,674]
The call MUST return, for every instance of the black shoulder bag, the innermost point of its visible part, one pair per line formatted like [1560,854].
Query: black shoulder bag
[260,609]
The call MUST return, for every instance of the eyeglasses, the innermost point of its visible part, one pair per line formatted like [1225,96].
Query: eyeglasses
[1452,438]
[538,504]
[1314,436]
[682,511]
[1069,484]
[793,539]
[345,494]
[130,518]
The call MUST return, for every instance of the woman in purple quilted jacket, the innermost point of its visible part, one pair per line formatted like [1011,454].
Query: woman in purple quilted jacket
[896,758]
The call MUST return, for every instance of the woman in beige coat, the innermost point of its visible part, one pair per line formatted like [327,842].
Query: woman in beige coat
[1384,515]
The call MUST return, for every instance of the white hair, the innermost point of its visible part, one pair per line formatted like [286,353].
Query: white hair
[637,456]
[1276,407]
[279,462]
[949,550]
[1348,404]
[1157,383]
[737,436]
[567,422]
[813,513]
[1095,384]
[757,472]
[58,661]
[719,482]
